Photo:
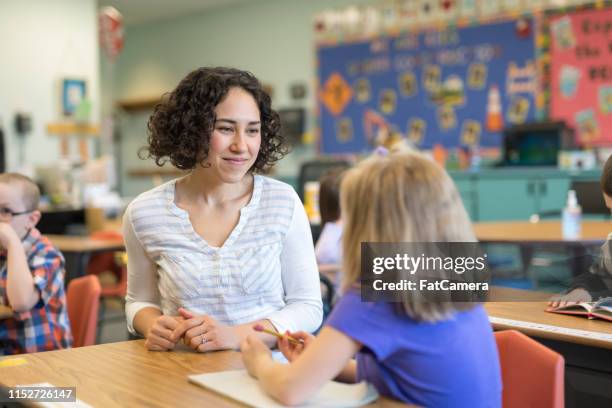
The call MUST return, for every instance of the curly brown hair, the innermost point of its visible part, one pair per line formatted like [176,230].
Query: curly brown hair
[181,124]
[606,177]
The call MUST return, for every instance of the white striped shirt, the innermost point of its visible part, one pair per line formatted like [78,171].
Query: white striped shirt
[266,268]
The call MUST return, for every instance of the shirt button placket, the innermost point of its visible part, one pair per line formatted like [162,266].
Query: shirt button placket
[217,266]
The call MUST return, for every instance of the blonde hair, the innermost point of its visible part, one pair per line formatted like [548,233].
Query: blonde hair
[402,197]
[30,193]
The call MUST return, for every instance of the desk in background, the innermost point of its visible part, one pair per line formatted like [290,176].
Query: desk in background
[513,232]
[77,251]
[5,312]
[585,344]
[528,235]
[125,374]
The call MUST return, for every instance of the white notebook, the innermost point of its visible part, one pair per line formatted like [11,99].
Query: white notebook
[240,386]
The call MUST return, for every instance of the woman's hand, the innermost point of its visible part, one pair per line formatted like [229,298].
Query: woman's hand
[203,333]
[575,296]
[160,336]
[254,353]
[291,350]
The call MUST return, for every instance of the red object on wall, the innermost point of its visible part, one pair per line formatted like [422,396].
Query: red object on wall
[110,24]
[581,74]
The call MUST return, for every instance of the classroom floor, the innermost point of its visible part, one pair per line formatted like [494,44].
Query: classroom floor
[113,327]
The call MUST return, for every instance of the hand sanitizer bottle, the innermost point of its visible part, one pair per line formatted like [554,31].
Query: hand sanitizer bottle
[572,215]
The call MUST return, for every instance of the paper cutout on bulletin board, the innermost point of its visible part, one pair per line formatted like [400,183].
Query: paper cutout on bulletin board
[344,130]
[336,94]
[416,131]
[605,99]
[363,90]
[470,133]
[441,77]
[581,73]
[467,8]
[518,109]
[477,75]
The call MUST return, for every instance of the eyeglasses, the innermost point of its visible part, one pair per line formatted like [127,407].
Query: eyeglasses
[7,213]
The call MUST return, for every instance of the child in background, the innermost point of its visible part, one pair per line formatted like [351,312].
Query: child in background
[596,283]
[31,274]
[328,249]
[430,353]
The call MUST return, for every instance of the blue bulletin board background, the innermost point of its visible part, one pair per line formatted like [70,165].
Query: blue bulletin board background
[505,49]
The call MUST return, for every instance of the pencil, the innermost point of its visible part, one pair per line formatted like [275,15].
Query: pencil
[292,340]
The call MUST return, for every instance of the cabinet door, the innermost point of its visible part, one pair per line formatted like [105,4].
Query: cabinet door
[552,194]
[506,199]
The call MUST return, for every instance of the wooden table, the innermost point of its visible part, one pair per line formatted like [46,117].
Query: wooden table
[588,361]
[525,308]
[527,235]
[125,374]
[593,232]
[78,249]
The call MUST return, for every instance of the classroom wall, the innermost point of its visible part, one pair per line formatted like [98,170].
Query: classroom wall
[272,38]
[43,41]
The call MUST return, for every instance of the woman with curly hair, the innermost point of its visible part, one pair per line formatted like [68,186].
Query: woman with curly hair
[223,248]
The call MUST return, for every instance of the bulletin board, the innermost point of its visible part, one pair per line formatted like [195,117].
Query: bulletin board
[580,83]
[456,86]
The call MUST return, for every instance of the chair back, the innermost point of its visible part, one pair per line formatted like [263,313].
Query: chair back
[532,374]
[590,198]
[83,298]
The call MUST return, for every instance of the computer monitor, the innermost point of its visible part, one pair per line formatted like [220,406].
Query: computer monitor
[292,124]
[536,144]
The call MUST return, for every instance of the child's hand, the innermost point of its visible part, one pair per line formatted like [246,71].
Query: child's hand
[7,235]
[159,337]
[575,296]
[254,351]
[291,350]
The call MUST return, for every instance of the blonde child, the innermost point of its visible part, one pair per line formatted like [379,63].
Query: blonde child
[429,353]
[31,274]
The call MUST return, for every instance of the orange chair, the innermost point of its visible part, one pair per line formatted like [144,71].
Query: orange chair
[532,374]
[107,261]
[83,298]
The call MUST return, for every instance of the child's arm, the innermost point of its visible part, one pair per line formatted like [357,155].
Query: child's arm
[292,351]
[20,290]
[329,356]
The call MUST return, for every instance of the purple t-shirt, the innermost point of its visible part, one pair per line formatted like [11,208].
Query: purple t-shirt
[452,363]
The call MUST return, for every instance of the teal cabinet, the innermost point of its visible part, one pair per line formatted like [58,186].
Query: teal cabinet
[505,199]
[515,194]
[518,199]
[552,193]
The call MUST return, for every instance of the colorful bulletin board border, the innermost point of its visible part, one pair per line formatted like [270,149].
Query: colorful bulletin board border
[570,91]
[352,108]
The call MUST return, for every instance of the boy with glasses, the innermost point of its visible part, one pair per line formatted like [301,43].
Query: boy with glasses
[31,274]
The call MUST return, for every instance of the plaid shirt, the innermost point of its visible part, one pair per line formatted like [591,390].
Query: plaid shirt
[45,326]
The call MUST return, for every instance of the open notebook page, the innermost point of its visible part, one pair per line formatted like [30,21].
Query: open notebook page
[238,385]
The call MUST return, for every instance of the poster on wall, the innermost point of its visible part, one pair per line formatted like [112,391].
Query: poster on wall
[458,86]
[581,73]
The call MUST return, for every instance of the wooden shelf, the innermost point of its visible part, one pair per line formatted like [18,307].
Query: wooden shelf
[73,129]
[133,105]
